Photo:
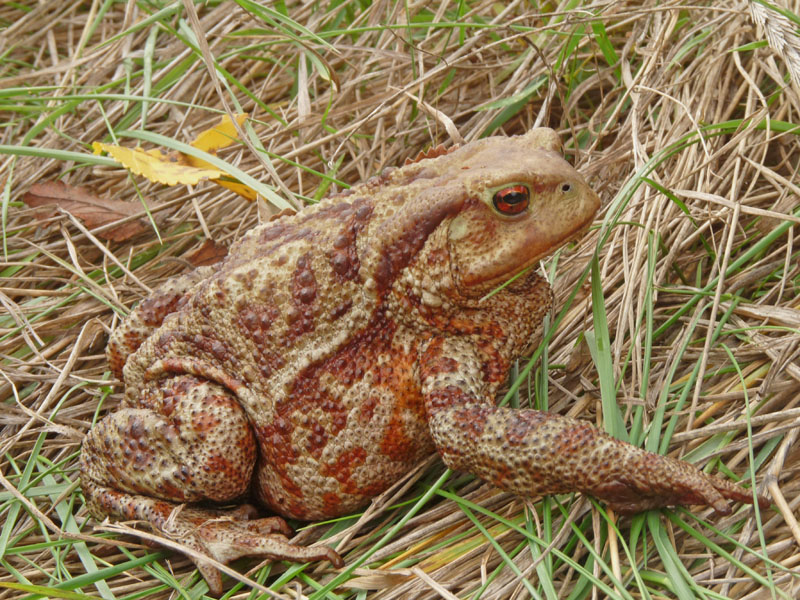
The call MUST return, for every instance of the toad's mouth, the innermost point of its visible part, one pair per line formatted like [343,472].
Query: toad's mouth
[519,279]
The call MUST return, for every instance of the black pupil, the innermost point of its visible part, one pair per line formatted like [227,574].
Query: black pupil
[513,197]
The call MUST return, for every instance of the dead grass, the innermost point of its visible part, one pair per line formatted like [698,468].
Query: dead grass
[684,119]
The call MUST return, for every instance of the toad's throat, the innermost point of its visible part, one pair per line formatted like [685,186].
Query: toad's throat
[514,277]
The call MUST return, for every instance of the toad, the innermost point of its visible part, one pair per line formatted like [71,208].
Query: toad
[335,348]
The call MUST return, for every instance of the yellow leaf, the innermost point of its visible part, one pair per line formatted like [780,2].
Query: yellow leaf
[219,136]
[168,169]
[211,140]
[178,168]
[245,191]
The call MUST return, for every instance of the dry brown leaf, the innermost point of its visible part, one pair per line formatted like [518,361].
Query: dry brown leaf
[286,212]
[433,152]
[84,205]
[208,254]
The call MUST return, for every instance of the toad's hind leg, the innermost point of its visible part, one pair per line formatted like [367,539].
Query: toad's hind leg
[148,315]
[192,443]
[529,452]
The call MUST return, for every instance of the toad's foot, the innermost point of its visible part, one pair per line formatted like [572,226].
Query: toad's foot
[226,536]
[223,535]
[651,480]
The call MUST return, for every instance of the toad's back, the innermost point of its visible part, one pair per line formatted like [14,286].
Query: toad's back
[297,327]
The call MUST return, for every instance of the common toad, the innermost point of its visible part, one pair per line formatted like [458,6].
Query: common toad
[335,348]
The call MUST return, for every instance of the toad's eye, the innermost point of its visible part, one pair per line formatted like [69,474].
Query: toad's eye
[511,200]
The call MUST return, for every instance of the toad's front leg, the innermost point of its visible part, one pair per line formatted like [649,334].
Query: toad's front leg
[530,452]
[190,442]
